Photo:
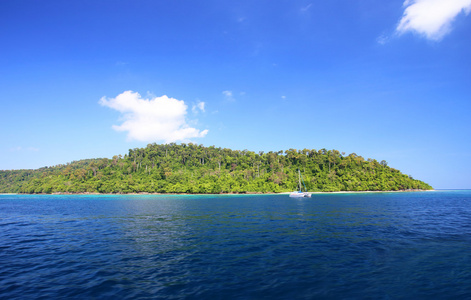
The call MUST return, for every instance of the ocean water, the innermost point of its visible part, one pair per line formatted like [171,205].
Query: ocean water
[413,245]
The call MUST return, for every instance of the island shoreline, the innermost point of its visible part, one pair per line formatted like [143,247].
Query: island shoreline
[218,194]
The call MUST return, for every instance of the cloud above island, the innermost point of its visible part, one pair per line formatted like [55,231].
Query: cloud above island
[151,120]
[431,18]
[198,107]
[228,96]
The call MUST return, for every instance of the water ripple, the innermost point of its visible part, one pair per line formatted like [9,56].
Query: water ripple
[406,245]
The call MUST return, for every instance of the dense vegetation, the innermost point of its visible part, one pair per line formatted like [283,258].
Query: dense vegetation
[191,168]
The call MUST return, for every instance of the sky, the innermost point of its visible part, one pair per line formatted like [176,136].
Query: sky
[388,80]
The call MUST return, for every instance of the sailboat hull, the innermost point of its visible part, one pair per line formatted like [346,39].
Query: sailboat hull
[300,195]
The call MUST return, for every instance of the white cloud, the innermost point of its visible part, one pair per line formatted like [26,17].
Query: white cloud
[306,8]
[149,120]
[228,96]
[382,39]
[198,106]
[431,18]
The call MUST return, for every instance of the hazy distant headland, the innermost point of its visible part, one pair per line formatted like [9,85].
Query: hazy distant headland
[196,169]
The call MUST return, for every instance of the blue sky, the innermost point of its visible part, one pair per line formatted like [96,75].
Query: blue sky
[389,80]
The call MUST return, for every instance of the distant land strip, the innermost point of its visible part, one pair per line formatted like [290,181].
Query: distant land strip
[196,169]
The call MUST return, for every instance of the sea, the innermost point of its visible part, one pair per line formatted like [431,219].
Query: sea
[404,245]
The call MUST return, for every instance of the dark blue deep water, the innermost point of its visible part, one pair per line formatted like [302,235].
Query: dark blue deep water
[337,246]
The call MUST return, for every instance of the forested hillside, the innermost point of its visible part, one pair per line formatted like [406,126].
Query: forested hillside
[191,168]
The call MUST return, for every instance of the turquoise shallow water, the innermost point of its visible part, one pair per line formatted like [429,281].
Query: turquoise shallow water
[335,246]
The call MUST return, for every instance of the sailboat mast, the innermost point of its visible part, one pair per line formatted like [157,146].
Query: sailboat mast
[300,186]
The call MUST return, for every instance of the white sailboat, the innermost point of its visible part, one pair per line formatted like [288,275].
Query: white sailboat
[300,193]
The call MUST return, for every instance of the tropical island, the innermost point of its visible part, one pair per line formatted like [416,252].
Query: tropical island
[196,169]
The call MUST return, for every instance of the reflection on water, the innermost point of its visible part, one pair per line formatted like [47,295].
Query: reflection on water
[378,245]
